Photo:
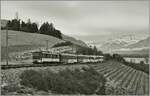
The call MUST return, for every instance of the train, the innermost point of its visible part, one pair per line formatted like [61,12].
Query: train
[64,58]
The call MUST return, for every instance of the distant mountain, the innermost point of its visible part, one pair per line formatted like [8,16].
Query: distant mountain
[140,47]
[140,44]
[125,45]
[110,46]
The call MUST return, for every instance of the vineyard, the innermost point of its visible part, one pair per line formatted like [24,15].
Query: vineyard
[125,77]
[117,74]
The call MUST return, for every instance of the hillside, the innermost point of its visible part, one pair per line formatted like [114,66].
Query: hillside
[110,46]
[126,47]
[18,38]
[20,42]
[126,43]
[73,40]
[140,47]
[140,44]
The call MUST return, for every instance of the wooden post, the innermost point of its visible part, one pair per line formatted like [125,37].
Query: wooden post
[6,45]
[47,45]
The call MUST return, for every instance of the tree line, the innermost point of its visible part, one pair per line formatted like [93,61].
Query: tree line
[79,49]
[141,66]
[89,51]
[67,43]
[32,27]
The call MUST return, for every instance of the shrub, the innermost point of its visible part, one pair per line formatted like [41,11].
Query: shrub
[31,78]
[84,81]
[67,43]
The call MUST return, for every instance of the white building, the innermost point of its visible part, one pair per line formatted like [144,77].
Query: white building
[136,59]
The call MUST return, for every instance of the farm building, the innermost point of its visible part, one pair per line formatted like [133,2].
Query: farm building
[136,59]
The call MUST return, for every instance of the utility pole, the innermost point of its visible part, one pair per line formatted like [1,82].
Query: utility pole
[72,48]
[16,16]
[47,45]
[6,45]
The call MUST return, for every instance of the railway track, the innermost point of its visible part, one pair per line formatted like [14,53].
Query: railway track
[13,66]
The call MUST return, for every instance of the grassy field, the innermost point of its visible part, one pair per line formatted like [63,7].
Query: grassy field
[21,42]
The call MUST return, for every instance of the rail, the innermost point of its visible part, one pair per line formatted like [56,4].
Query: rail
[12,66]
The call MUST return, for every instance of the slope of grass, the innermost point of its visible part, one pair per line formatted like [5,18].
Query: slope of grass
[22,41]
[23,38]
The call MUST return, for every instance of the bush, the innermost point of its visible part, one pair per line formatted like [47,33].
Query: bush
[85,81]
[67,43]
[31,78]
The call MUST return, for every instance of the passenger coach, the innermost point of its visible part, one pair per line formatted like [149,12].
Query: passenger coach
[47,57]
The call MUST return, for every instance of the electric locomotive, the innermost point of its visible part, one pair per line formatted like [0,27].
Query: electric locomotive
[63,58]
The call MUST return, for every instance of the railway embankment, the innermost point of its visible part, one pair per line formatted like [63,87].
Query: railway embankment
[121,79]
[10,77]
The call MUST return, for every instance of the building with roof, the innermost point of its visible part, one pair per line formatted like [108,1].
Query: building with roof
[136,58]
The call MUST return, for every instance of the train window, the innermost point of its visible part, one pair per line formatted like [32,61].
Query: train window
[43,55]
[53,56]
[46,55]
[49,55]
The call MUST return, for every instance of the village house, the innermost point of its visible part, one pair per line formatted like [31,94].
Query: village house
[136,59]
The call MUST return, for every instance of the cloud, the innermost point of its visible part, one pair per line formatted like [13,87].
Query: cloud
[84,18]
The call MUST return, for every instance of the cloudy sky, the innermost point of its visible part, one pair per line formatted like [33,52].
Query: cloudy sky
[86,20]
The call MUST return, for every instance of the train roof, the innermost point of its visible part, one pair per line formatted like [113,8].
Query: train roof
[45,52]
[67,54]
[92,55]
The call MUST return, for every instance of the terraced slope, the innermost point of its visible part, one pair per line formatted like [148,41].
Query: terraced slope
[125,77]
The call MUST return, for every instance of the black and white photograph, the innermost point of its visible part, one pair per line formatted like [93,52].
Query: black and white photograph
[87,47]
